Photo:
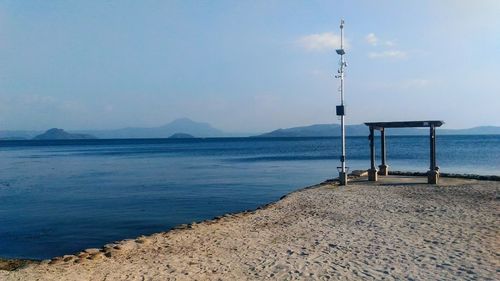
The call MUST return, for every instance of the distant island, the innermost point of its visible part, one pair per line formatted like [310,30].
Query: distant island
[13,138]
[319,130]
[181,136]
[333,130]
[205,130]
[184,125]
[60,134]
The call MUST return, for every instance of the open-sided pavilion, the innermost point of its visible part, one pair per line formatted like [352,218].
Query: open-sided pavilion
[432,174]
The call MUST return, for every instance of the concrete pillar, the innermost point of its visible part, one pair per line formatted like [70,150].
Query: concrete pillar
[433,173]
[433,177]
[372,173]
[383,168]
[432,142]
[342,178]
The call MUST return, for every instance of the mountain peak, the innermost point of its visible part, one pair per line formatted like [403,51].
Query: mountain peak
[191,127]
[181,136]
[183,119]
[60,134]
[55,131]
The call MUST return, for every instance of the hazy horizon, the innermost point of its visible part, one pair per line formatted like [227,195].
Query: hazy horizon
[246,66]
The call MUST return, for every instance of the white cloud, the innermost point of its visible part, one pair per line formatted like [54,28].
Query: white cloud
[321,41]
[389,43]
[371,39]
[394,54]
[374,41]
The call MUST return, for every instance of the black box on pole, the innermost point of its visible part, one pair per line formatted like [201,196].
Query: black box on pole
[340,110]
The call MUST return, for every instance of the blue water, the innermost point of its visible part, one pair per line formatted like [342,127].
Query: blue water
[59,197]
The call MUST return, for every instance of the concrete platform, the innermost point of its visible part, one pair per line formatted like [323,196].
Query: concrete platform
[409,180]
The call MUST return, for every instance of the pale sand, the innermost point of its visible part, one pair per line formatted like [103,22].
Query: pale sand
[363,231]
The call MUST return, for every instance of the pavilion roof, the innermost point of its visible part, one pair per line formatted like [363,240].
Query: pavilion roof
[404,124]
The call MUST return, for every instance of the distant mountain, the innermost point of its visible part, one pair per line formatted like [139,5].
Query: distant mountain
[60,134]
[333,130]
[184,125]
[181,136]
[18,135]
[13,138]
[319,130]
[483,130]
[202,130]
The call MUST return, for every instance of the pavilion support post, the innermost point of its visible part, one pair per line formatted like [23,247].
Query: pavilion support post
[433,173]
[383,168]
[372,173]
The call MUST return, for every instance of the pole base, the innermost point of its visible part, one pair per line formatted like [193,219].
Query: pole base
[372,175]
[384,170]
[342,178]
[433,177]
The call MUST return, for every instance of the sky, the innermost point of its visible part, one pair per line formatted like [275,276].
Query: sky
[246,66]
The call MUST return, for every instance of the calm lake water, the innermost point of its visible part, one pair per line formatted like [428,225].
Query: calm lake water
[59,197]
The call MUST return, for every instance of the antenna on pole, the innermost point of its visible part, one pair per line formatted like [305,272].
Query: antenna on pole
[341,108]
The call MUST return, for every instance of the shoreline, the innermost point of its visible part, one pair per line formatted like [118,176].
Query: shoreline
[11,264]
[237,229]
[16,263]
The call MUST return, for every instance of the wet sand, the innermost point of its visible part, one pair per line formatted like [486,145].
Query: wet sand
[399,228]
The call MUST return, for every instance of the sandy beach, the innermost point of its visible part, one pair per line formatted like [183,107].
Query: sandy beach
[399,228]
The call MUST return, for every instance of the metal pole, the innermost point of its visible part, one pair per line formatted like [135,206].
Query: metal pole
[342,117]
[341,109]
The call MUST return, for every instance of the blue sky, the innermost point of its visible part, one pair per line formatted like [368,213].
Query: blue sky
[246,66]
